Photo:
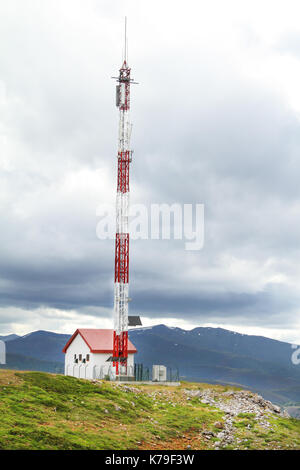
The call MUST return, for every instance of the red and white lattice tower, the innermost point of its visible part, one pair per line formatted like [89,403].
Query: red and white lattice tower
[121,291]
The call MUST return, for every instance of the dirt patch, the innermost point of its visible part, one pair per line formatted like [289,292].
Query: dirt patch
[185,442]
[8,377]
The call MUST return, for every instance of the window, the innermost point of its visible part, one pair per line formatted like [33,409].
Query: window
[87,358]
[80,357]
[74,357]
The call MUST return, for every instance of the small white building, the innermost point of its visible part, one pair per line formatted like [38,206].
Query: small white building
[87,353]
[159,373]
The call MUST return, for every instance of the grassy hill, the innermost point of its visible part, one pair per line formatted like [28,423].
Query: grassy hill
[46,411]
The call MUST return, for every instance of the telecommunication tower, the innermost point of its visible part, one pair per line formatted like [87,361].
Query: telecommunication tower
[121,286]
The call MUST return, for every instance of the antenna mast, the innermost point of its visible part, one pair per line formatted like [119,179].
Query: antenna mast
[125,55]
[121,286]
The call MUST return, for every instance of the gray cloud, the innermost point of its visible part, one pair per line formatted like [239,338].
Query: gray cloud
[202,132]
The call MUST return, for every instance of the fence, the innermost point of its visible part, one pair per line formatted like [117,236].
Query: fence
[142,373]
[87,371]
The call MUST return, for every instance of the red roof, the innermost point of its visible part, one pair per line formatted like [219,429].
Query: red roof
[99,341]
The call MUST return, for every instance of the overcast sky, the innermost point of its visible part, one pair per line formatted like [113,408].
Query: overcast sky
[216,120]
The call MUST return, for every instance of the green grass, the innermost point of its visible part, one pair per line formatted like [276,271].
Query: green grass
[46,411]
[283,433]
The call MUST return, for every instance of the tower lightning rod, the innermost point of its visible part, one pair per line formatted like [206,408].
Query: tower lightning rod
[125,58]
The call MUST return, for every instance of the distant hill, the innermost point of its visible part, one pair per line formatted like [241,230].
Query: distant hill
[19,362]
[8,338]
[219,339]
[213,355]
[42,345]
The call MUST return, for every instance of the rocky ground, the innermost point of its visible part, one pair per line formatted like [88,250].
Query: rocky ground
[243,419]
[235,403]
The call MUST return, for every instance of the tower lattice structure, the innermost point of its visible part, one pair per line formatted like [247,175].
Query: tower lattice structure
[121,285]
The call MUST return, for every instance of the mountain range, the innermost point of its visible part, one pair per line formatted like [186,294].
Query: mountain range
[213,355]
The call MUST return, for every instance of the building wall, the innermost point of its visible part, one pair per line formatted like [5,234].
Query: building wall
[97,367]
